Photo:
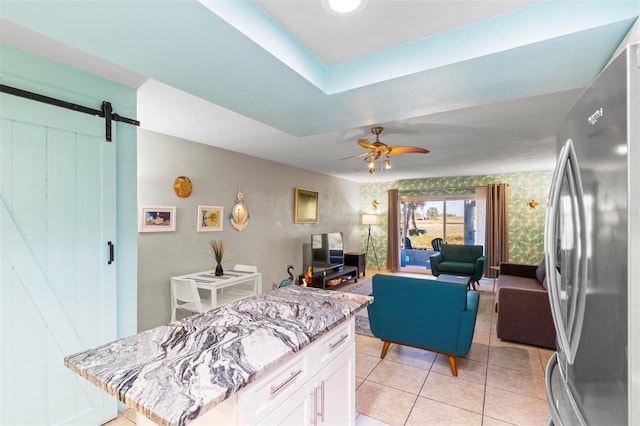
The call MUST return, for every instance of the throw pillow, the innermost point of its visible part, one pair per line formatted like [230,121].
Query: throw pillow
[541,271]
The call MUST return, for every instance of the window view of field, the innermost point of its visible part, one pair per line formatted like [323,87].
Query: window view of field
[425,220]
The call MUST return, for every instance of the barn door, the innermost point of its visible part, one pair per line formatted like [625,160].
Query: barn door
[58,293]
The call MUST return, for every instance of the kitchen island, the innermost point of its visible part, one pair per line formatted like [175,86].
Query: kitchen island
[242,363]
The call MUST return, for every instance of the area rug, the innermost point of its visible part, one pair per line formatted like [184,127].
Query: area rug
[363,287]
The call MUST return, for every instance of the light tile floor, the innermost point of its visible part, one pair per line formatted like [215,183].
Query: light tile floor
[498,383]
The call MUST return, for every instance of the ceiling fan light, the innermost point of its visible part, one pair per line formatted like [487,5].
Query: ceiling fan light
[379,152]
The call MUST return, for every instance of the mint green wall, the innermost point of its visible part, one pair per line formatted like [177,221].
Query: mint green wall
[33,73]
[127,228]
[526,226]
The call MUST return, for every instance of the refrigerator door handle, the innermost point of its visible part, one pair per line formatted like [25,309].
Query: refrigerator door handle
[550,248]
[572,416]
[576,316]
[568,332]
[554,414]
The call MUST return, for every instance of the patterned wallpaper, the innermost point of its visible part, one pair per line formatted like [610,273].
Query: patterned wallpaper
[526,226]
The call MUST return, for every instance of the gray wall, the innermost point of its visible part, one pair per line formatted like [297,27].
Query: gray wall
[271,240]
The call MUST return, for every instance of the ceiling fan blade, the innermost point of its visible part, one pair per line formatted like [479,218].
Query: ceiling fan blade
[364,154]
[366,144]
[407,150]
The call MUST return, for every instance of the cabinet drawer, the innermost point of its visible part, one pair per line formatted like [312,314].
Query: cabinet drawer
[268,393]
[333,344]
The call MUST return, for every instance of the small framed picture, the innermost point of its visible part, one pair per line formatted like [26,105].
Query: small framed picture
[209,218]
[157,219]
[305,208]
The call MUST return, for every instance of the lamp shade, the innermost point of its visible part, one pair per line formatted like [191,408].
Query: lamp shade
[369,219]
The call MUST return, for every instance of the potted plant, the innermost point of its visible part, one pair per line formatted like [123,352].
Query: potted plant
[217,247]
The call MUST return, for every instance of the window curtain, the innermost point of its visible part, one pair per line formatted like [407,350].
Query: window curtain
[497,242]
[392,231]
[481,215]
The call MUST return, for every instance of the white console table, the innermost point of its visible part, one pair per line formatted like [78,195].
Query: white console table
[231,286]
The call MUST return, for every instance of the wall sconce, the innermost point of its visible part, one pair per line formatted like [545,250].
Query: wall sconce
[532,204]
[374,207]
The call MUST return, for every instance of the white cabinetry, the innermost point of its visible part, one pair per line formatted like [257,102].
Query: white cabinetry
[327,399]
[262,397]
[336,392]
[297,410]
[316,387]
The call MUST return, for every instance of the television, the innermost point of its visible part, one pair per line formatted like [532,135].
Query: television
[327,252]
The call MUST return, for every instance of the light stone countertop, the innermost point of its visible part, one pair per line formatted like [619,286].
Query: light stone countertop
[174,373]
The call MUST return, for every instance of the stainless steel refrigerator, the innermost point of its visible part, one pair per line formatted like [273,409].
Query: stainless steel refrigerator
[592,249]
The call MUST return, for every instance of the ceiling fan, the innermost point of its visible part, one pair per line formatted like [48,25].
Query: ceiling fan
[379,152]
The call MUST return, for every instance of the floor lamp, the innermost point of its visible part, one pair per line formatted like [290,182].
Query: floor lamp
[371,219]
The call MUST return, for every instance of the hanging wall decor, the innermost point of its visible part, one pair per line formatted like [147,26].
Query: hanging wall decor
[182,186]
[157,219]
[305,206]
[239,215]
[209,219]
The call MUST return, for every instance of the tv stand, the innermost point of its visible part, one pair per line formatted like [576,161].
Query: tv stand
[335,278]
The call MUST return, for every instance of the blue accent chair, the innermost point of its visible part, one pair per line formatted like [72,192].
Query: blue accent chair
[456,259]
[434,315]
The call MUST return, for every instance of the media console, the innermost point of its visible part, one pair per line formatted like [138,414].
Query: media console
[330,279]
[357,259]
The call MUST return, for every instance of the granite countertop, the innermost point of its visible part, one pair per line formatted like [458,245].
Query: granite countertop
[174,373]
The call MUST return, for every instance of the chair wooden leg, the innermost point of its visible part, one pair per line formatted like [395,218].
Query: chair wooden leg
[453,365]
[385,348]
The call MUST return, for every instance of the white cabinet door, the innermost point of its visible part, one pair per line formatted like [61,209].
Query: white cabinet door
[297,410]
[335,389]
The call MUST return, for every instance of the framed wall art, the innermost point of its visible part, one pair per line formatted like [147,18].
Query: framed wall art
[157,219]
[305,206]
[209,218]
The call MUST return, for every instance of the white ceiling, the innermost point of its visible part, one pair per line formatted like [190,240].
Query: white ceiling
[380,25]
[484,85]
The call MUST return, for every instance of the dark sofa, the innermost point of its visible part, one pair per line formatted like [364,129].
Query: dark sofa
[522,304]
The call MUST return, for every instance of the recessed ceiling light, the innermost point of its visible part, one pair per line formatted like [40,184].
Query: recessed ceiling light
[343,7]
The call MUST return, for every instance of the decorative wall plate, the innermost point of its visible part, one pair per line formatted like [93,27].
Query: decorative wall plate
[182,186]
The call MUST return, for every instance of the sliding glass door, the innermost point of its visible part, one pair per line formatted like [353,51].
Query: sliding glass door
[423,219]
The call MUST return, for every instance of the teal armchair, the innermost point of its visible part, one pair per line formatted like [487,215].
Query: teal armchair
[434,315]
[454,259]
